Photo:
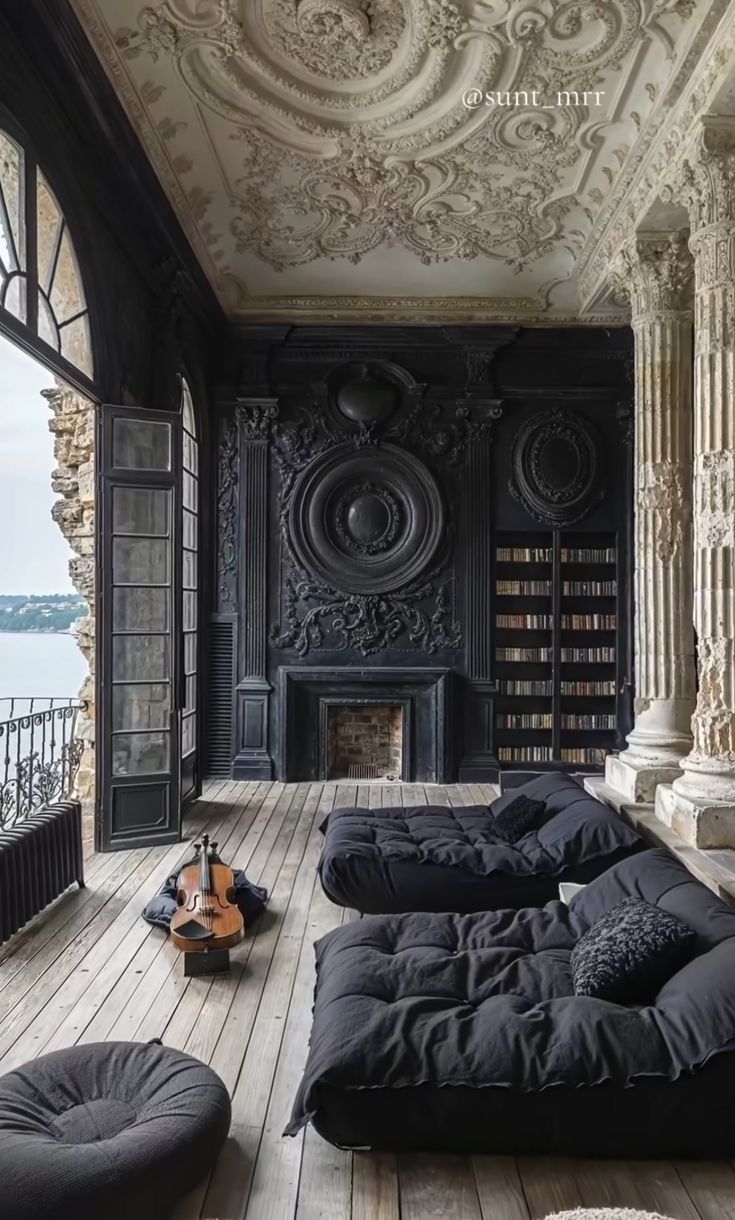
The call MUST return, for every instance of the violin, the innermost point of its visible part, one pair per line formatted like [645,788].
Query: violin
[208,917]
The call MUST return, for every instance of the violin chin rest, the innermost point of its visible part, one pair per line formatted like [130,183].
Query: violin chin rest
[193,930]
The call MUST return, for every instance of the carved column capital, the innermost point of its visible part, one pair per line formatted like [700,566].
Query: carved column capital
[655,271]
[707,180]
[256,416]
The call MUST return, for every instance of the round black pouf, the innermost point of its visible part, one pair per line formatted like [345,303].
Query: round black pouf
[112,1130]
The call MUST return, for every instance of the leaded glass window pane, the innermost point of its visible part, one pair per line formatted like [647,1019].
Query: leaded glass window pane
[60,318]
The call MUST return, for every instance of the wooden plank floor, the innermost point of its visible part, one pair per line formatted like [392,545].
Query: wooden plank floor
[90,969]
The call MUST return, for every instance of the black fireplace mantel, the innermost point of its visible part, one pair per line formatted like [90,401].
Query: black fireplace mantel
[305,692]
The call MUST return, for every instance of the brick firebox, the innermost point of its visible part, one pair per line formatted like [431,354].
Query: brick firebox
[366,733]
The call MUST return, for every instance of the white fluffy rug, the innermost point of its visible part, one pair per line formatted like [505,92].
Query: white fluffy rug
[605,1213]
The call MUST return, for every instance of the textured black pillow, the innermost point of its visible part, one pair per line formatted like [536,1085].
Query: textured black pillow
[518,817]
[630,952]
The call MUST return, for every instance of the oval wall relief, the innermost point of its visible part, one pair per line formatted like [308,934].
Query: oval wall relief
[366,520]
[556,472]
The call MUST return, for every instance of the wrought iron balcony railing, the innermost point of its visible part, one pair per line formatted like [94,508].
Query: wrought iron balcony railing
[39,754]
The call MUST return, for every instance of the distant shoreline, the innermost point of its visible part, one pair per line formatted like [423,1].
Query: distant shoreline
[35,631]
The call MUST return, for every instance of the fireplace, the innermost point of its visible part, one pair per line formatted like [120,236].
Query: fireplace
[364,740]
[396,720]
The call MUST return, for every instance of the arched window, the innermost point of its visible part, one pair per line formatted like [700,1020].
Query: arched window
[40,284]
[190,572]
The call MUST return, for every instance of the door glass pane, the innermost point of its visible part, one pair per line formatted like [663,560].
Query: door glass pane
[141,510]
[140,658]
[190,611]
[140,753]
[190,531]
[190,652]
[141,561]
[191,694]
[141,445]
[140,610]
[140,706]
[190,570]
[188,734]
[190,492]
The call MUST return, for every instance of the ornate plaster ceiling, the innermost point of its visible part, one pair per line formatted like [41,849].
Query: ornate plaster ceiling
[323,160]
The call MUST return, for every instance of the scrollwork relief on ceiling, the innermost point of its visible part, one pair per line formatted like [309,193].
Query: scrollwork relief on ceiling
[340,126]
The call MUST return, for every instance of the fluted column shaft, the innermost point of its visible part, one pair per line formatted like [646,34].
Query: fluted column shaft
[656,273]
[709,176]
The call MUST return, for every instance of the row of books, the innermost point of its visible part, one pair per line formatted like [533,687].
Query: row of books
[543,554]
[588,722]
[600,655]
[524,622]
[589,622]
[529,720]
[523,654]
[604,554]
[589,588]
[523,588]
[524,754]
[592,655]
[523,554]
[514,754]
[524,687]
[588,688]
[584,755]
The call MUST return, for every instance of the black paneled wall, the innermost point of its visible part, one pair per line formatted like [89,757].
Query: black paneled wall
[391,504]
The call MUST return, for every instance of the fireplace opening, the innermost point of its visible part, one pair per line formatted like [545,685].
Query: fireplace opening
[365,741]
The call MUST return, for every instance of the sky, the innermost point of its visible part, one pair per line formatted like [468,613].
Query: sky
[34,556]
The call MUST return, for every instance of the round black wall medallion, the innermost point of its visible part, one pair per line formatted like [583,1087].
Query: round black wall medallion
[556,471]
[366,520]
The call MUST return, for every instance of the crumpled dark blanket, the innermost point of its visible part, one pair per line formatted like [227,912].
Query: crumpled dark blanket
[251,899]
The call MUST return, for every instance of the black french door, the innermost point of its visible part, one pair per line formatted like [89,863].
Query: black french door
[141,677]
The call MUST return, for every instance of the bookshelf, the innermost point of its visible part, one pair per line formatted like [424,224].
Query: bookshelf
[556,643]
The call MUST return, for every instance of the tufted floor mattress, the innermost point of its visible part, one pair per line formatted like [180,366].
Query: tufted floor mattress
[463,1033]
[437,858]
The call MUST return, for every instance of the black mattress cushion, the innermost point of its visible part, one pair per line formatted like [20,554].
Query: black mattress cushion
[113,1130]
[463,1032]
[630,952]
[518,817]
[437,858]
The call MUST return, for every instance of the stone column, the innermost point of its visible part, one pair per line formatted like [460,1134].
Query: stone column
[656,273]
[700,805]
[73,426]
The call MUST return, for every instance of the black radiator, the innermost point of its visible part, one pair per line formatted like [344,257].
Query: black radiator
[40,857]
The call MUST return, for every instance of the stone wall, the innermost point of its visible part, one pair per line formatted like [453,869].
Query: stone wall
[73,427]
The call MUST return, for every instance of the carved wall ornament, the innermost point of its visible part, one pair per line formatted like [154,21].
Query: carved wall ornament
[256,416]
[366,521]
[365,535]
[227,482]
[366,623]
[555,467]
